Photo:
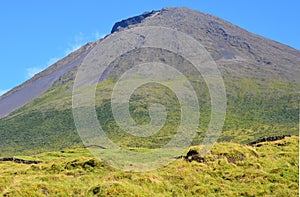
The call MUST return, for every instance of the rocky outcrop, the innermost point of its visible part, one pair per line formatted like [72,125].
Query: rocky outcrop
[131,21]
[268,139]
[22,161]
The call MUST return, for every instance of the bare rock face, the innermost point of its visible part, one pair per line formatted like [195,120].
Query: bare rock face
[131,21]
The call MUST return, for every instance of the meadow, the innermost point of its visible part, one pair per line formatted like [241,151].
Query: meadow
[229,169]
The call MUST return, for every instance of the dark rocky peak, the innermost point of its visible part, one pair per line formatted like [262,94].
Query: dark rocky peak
[132,21]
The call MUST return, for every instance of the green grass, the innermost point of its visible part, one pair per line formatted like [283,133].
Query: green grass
[229,169]
[255,108]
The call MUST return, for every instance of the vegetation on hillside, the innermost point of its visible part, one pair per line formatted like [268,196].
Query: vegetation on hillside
[229,169]
[254,110]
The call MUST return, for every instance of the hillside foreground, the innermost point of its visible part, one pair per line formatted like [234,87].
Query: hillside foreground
[230,169]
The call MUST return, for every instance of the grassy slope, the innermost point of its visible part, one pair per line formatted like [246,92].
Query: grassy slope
[228,170]
[255,109]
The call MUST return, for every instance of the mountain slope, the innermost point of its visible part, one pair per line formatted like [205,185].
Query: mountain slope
[228,44]
[261,78]
[37,85]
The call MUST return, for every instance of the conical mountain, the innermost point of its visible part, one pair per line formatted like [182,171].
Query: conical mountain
[261,78]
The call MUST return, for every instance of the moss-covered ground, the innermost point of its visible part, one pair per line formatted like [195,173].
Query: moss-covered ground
[229,169]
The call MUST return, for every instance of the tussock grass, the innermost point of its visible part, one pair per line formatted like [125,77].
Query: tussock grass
[229,169]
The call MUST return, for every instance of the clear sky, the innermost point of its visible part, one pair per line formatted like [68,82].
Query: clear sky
[34,34]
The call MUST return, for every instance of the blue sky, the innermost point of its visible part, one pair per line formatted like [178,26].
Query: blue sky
[34,34]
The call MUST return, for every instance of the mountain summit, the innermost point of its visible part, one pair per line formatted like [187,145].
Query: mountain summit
[261,78]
